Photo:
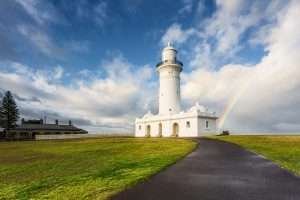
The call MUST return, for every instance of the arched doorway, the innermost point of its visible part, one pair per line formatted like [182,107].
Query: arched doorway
[175,130]
[148,130]
[159,130]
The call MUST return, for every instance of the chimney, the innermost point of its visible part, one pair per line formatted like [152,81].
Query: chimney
[56,122]
[70,123]
[23,120]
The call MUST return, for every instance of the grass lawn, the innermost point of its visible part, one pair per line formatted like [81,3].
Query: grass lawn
[284,150]
[82,168]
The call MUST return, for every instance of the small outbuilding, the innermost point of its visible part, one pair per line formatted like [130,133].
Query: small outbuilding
[30,128]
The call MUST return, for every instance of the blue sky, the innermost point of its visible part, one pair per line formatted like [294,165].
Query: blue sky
[94,61]
[81,34]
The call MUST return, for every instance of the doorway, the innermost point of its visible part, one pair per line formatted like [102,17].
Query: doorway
[175,130]
[148,131]
[159,130]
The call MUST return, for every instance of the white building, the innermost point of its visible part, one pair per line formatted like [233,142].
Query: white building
[171,121]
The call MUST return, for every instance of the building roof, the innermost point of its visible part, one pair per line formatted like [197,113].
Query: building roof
[47,127]
[39,125]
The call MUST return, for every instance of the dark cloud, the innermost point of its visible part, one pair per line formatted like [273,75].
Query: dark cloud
[51,116]
[32,99]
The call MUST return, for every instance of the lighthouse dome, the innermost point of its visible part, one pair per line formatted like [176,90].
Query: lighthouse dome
[169,53]
[148,114]
[198,107]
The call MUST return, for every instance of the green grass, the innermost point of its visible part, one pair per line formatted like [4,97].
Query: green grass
[283,150]
[83,168]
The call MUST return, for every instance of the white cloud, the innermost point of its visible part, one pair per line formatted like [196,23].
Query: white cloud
[105,103]
[41,40]
[187,7]
[219,38]
[30,8]
[85,73]
[58,72]
[261,97]
[45,43]
[41,11]
[230,21]
[100,13]
[176,34]
[230,7]
[78,46]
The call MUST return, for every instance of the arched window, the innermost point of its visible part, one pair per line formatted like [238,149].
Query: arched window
[188,124]
[159,130]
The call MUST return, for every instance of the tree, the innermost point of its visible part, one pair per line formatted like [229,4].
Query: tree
[10,111]
[1,116]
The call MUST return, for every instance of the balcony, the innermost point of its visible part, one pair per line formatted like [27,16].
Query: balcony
[169,62]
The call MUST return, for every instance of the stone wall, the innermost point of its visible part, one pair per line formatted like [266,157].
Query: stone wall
[74,136]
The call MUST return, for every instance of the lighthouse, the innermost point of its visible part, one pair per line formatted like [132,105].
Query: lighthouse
[169,81]
[171,120]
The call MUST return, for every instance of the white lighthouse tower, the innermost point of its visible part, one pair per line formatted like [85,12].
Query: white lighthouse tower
[169,81]
[171,121]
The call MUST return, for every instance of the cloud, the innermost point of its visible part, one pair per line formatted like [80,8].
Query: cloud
[41,11]
[45,43]
[41,40]
[260,97]
[85,73]
[113,101]
[78,46]
[176,34]
[263,95]
[32,22]
[217,39]
[228,24]
[31,8]
[100,11]
[187,7]
[58,72]
[97,12]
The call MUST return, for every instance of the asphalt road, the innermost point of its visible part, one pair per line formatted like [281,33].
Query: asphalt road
[218,170]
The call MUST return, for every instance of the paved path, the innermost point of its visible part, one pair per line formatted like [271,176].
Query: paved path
[218,170]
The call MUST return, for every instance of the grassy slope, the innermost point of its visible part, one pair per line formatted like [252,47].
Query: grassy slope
[82,169]
[284,150]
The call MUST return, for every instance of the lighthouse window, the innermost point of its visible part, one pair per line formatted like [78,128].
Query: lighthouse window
[206,124]
[140,127]
[188,124]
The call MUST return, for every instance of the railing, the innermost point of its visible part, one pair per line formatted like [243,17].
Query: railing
[169,62]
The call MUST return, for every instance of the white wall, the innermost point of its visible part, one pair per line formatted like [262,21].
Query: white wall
[197,125]
[169,89]
[212,126]
[65,136]
[185,131]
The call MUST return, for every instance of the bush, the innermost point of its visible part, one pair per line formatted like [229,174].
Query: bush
[226,132]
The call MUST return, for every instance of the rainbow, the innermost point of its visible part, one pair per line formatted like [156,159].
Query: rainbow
[230,105]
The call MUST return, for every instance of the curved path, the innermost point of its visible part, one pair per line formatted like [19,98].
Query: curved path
[218,170]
